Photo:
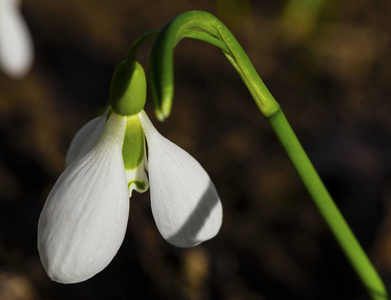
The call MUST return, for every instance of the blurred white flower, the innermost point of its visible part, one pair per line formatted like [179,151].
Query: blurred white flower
[84,220]
[16,47]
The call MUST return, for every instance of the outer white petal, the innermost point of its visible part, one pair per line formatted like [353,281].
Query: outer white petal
[185,204]
[16,47]
[85,138]
[84,220]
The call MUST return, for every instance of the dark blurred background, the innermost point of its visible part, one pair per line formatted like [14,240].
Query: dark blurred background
[326,62]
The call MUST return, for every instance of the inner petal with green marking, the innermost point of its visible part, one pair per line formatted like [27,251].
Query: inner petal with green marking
[134,155]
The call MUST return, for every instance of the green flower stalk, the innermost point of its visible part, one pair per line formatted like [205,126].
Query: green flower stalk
[204,26]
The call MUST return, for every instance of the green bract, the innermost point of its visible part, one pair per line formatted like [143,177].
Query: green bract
[128,88]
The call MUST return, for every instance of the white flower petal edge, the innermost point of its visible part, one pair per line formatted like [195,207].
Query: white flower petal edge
[84,220]
[185,204]
[16,47]
[85,138]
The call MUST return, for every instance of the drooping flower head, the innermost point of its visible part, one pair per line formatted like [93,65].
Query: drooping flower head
[16,50]
[84,220]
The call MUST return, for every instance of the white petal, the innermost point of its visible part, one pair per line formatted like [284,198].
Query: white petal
[16,47]
[85,138]
[185,203]
[84,220]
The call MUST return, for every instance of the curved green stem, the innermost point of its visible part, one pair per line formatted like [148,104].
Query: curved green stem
[327,208]
[204,26]
[161,76]
[198,35]
[139,41]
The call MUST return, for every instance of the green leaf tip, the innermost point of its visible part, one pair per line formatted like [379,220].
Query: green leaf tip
[128,90]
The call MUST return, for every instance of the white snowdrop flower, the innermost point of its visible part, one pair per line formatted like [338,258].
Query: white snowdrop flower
[16,47]
[84,220]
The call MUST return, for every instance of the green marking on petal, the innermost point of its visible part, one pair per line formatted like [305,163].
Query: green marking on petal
[139,184]
[133,148]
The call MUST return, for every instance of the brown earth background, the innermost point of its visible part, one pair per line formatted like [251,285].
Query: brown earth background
[328,67]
